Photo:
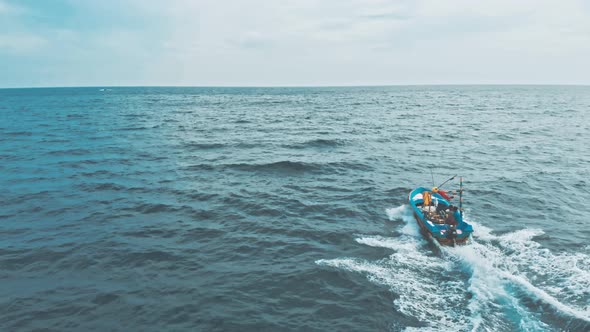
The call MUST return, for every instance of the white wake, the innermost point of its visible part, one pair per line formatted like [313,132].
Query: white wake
[478,287]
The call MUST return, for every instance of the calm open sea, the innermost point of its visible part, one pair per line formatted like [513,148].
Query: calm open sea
[283,209]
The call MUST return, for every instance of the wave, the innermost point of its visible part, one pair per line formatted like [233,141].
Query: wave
[131,128]
[70,152]
[106,161]
[284,166]
[279,166]
[149,208]
[319,143]
[300,166]
[497,283]
[202,146]
[99,173]
[96,187]
[19,133]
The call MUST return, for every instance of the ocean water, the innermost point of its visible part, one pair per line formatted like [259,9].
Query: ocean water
[284,209]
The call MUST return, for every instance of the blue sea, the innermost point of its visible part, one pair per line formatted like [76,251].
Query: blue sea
[285,209]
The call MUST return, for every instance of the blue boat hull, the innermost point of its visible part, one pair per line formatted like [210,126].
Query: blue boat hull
[431,220]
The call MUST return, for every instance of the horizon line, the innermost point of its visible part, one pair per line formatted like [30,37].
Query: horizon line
[293,86]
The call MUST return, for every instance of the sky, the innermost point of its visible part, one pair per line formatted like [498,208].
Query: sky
[293,42]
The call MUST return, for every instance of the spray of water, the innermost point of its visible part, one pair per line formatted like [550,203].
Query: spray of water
[485,286]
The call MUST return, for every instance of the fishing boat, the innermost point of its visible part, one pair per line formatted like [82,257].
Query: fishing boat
[437,217]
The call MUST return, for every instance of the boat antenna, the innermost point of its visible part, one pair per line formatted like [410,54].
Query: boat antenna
[431,174]
[442,184]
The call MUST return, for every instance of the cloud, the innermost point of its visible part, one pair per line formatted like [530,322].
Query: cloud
[253,40]
[9,9]
[297,42]
[21,43]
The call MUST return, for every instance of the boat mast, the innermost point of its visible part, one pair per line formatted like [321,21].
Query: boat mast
[461,196]
[431,174]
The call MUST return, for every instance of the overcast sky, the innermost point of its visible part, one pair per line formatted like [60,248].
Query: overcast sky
[293,42]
